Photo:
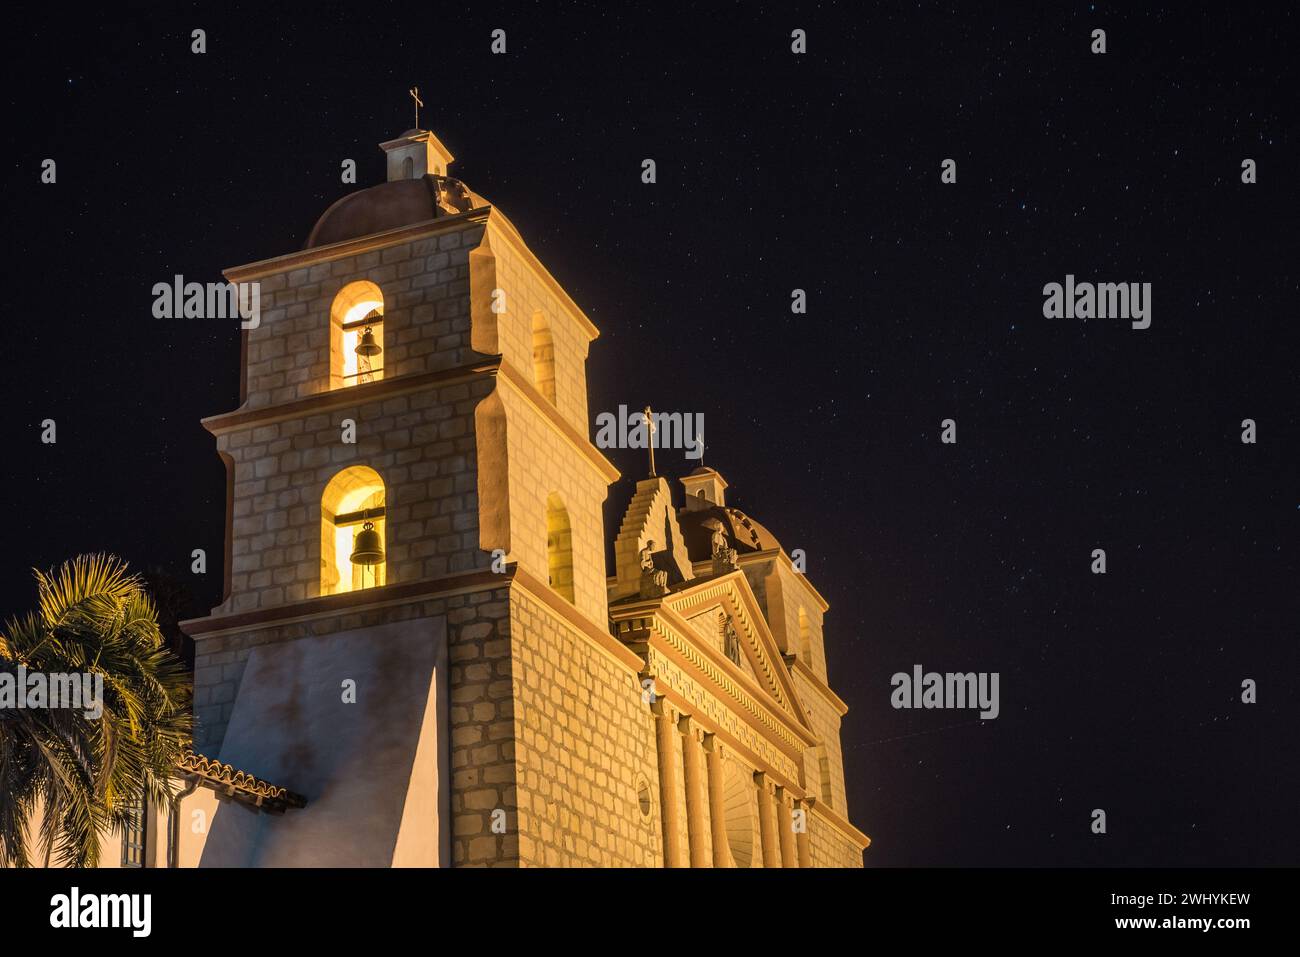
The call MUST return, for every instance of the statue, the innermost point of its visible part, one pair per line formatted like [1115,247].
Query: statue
[725,558]
[731,640]
[719,540]
[653,581]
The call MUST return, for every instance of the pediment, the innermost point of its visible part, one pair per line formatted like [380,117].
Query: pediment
[705,606]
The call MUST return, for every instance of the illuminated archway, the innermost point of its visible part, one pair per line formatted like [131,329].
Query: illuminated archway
[805,638]
[543,357]
[559,546]
[352,499]
[357,307]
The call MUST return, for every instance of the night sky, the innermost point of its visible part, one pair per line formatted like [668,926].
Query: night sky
[776,171]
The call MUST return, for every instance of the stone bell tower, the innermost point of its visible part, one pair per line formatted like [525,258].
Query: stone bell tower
[414,551]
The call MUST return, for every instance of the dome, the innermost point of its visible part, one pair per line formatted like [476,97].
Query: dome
[390,206]
[744,534]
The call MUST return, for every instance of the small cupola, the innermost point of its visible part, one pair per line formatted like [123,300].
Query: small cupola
[705,488]
[414,154]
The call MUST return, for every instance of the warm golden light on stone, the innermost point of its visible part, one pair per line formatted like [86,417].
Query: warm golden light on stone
[356,489]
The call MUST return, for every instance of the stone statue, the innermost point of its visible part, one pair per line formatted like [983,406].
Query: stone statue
[731,640]
[725,558]
[653,581]
[719,540]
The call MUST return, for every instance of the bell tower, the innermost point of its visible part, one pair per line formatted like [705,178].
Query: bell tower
[413,515]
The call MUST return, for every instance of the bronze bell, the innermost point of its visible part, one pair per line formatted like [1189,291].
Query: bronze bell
[367,549]
[368,346]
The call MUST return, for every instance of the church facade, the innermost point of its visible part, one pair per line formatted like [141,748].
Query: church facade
[421,658]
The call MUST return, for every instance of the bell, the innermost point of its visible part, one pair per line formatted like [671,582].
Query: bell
[367,346]
[367,549]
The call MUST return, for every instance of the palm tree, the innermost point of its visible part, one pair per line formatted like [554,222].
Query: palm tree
[81,774]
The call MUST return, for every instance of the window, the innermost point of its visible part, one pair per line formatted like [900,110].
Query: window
[824,775]
[353,530]
[356,335]
[408,168]
[133,831]
[559,547]
[805,638]
[543,357]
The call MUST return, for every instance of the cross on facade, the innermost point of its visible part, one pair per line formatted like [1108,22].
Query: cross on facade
[414,93]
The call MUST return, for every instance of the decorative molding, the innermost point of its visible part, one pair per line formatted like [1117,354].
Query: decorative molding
[519,382]
[847,830]
[354,247]
[797,665]
[350,395]
[365,599]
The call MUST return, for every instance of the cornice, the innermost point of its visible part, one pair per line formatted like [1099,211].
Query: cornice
[579,442]
[353,247]
[328,606]
[841,824]
[351,395]
[602,639]
[820,686]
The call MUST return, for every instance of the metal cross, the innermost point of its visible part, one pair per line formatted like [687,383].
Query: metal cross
[650,437]
[414,93]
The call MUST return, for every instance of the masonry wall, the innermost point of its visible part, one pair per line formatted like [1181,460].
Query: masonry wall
[528,294]
[421,444]
[823,765]
[584,740]
[541,462]
[426,291]
[828,847]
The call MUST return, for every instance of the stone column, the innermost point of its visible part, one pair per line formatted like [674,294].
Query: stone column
[767,821]
[785,827]
[697,807]
[802,842]
[670,779]
[717,811]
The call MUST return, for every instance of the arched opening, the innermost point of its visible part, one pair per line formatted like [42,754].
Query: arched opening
[738,812]
[356,335]
[805,638]
[353,500]
[408,168]
[543,357]
[559,546]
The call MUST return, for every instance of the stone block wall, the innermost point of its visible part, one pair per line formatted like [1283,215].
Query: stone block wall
[423,447]
[585,742]
[541,462]
[529,294]
[426,291]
